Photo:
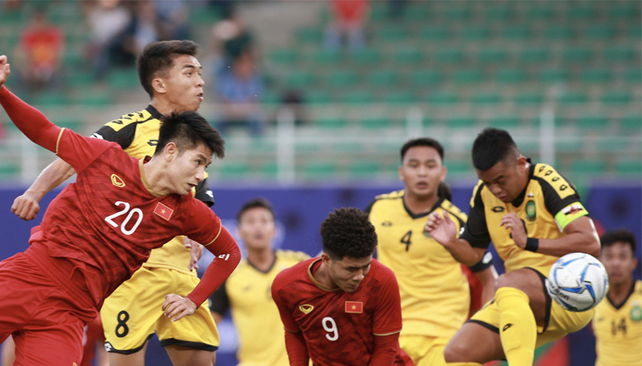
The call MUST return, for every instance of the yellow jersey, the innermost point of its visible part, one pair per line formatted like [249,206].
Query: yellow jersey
[435,296]
[247,292]
[618,330]
[546,206]
[137,133]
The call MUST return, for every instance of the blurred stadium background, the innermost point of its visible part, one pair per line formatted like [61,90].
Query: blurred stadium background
[564,77]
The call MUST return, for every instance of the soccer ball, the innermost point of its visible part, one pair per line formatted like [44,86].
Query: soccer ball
[577,281]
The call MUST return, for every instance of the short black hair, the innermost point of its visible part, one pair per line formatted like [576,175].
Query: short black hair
[422,141]
[444,191]
[491,146]
[187,130]
[159,56]
[620,235]
[254,203]
[348,232]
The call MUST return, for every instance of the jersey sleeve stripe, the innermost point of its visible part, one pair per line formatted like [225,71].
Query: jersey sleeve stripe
[58,140]
[386,334]
[220,228]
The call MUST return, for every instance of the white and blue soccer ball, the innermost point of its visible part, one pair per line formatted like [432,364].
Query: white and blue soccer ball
[577,281]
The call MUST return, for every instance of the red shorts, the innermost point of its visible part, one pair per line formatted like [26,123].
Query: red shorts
[45,308]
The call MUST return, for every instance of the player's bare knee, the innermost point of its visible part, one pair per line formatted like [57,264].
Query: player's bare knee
[455,352]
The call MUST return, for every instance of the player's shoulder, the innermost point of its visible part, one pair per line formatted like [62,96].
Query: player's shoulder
[385,198]
[448,206]
[381,272]
[291,274]
[291,256]
[551,181]
[131,119]
[637,290]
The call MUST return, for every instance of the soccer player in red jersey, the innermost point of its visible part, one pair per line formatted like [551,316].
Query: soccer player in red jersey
[342,308]
[96,232]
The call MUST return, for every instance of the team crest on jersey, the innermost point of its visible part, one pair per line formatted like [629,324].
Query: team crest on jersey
[163,211]
[117,181]
[306,308]
[531,212]
[636,313]
[354,307]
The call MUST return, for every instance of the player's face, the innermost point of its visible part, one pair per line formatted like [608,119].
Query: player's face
[619,262]
[186,169]
[348,272]
[256,228]
[184,84]
[507,179]
[422,171]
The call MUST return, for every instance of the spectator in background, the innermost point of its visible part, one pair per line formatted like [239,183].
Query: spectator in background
[108,21]
[231,39]
[238,90]
[144,28]
[348,19]
[173,15]
[39,53]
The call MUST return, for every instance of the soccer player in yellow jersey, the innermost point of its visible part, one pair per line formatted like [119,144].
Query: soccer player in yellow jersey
[533,216]
[617,323]
[247,291]
[170,73]
[434,292]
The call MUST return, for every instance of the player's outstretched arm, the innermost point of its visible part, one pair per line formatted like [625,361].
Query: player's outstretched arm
[27,205]
[444,231]
[297,350]
[227,256]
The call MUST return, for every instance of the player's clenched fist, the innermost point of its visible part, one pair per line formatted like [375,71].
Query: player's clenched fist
[5,69]
[25,206]
[176,307]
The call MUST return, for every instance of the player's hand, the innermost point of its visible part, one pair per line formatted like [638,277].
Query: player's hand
[26,206]
[517,229]
[441,228]
[176,307]
[5,69]
[196,251]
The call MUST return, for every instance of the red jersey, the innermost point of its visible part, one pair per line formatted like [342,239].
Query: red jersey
[339,327]
[109,220]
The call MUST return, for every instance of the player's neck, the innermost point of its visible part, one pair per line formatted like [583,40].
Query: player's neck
[164,107]
[418,204]
[156,178]
[261,259]
[618,292]
[322,275]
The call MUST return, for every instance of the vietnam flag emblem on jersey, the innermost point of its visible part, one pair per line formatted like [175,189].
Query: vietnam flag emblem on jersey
[163,211]
[354,307]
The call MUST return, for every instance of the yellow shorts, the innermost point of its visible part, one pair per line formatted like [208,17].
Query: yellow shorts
[558,322]
[133,312]
[424,350]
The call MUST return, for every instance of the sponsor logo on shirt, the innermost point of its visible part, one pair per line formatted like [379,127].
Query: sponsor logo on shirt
[306,308]
[354,307]
[163,211]
[497,209]
[386,223]
[117,181]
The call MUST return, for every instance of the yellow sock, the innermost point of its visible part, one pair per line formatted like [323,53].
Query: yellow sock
[517,326]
